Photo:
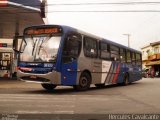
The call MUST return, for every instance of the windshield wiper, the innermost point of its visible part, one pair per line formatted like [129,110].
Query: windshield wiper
[47,38]
[40,46]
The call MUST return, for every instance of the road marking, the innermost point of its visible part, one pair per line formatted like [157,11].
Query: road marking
[20,100]
[44,112]
[55,98]
[37,95]
[63,112]
[38,105]
[32,112]
[101,98]
[35,98]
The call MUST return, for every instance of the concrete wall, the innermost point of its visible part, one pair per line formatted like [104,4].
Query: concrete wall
[145,54]
[152,50]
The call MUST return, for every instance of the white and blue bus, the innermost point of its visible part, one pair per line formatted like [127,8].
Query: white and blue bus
[55,55]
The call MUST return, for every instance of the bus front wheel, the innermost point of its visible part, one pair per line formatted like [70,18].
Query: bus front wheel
[84,82]
[49,87]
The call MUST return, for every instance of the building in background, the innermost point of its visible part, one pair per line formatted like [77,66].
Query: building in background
[151,58]
[15,15]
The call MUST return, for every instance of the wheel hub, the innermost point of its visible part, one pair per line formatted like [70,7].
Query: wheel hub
[83,82]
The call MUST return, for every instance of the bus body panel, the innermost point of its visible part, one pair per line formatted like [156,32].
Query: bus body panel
[96,69]
[106,65]
[69,73]
[108,72]
[92,66]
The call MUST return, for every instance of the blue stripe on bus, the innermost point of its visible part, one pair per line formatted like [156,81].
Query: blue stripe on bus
[121,73]
[69,73]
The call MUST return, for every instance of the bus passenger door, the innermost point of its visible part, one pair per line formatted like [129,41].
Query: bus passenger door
[70,54]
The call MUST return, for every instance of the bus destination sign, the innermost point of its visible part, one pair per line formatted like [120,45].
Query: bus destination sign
[39,31]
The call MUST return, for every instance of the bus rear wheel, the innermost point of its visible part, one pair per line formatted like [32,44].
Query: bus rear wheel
[84,82]
[48,87]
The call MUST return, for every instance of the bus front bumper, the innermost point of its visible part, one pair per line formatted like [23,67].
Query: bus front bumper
[51,77]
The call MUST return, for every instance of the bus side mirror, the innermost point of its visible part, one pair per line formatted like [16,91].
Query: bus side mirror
[17,41]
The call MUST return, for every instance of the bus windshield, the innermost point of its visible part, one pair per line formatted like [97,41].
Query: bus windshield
[40,48]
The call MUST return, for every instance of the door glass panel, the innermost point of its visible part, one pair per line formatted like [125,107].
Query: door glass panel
[72,48]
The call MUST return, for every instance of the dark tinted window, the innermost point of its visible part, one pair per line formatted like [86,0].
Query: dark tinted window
[90,47]
[114,52]
[128,56]
[104,51]
[138,59]
[133,58]
[122,55]
[72,47]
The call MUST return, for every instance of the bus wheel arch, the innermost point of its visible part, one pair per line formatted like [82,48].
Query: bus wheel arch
[84,81]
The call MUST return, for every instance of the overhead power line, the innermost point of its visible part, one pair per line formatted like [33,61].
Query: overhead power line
[99,3]
[92,11]
[113,3]
[110,11]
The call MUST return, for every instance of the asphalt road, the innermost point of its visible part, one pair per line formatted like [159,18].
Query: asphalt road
[18,97]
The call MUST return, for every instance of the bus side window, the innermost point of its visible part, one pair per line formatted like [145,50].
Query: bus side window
[72,48]
[104,51]
[133,58]
[129,57]
[122,55]
[138,59]
[114,53]
[90,47]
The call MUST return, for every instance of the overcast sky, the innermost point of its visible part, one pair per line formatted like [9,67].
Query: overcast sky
[144,27]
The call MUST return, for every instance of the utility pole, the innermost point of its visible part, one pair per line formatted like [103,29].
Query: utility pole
[128,36]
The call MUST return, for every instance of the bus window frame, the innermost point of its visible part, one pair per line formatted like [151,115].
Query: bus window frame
[138,61]
[133,61]
[115,59]
[84,47]
[125,56]
[130,62]
[80,48]
[108,50]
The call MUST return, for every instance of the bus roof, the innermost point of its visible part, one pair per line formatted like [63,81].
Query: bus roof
[68,28]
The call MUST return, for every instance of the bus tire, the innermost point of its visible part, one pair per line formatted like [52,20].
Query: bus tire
[84,82]
[126,79]
[48,87]
[100,85]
